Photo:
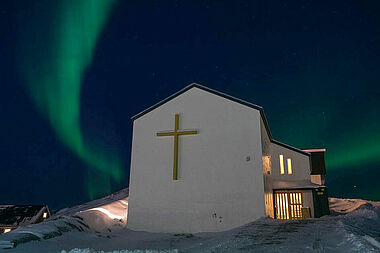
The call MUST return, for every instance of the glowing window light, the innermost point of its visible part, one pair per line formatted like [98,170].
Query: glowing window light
[44,215]
[6,230]
[290,171]
[282,164]
[288,205]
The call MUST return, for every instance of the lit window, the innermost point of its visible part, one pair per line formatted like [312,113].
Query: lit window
[282,164]
[289,166]
[6,230]
[45,215]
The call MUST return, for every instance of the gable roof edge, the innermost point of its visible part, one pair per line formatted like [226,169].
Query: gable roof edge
[224,95]
[290,147]
[196,85]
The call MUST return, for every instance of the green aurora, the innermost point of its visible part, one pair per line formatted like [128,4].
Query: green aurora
[59,46]
[54,71]
[324,118]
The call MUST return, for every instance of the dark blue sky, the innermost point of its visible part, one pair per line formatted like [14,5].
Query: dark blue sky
[314,67]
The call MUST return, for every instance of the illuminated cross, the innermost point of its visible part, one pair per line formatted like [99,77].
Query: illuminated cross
[176,133]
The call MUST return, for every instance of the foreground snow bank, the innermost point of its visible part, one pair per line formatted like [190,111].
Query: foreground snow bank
[121,251]
[120,196]
[355,227]
[43,231]
[99,227]
[100,216]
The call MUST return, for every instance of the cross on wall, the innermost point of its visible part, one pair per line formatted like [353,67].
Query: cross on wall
[176,133]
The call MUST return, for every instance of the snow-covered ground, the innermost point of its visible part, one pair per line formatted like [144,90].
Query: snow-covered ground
[99,226]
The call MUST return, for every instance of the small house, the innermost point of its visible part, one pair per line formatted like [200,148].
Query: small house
[13,216]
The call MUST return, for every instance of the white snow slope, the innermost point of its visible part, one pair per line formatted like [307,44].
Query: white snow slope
[99,227]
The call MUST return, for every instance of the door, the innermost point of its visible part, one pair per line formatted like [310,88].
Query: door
[321,202]
[288,204]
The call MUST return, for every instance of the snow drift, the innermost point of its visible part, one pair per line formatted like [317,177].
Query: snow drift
[99,227]
[99,216]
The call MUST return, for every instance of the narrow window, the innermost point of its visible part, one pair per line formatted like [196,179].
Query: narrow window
[45,215]
[289,166]
[282,165]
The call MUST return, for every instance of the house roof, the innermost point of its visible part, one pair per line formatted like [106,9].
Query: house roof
[314,150]
[229,97]
[294,185]
[16,215]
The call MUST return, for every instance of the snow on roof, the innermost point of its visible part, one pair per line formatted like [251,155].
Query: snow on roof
[300,184]
[314,150]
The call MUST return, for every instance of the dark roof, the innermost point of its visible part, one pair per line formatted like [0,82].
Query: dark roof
[15,215]
[221,94]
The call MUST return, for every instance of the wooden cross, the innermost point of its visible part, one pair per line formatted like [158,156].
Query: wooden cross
[176,133]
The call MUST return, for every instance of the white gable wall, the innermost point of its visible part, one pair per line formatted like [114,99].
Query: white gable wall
[220,174]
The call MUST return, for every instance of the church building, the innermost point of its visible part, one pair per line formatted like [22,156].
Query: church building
[204,161]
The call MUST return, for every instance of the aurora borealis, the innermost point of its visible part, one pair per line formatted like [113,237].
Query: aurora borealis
[74,72]
[54,80]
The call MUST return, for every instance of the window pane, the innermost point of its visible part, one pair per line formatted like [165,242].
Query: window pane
[290,166]
[282,164]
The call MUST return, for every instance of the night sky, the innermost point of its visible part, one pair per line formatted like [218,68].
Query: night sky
[73,72]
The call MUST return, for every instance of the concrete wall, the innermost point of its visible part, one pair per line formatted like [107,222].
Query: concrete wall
[220,177]
[300,164]
[267,171]
[318,179]
[308,201]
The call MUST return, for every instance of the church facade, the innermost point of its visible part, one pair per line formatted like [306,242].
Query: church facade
[204,161]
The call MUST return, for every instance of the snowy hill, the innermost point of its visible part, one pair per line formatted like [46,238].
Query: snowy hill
[99,226]
[101,216]
[344,206]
